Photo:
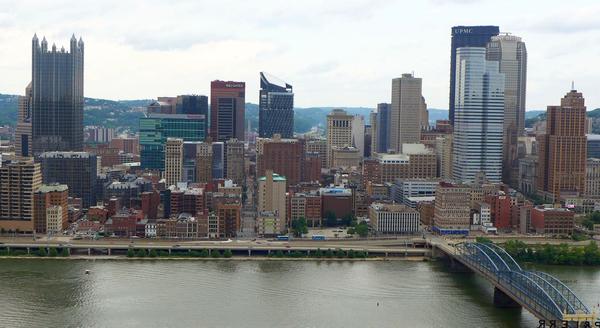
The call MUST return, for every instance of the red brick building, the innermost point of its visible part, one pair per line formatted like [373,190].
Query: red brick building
[500,209]
[227,107]
[284,156]
[555,221]
[229,216]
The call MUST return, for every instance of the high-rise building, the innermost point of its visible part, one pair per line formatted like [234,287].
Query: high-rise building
[466,36]
[50,200]
[318,146]
[57,97]
[339,132]
[77,170]
[272,194]
[204,162]
[416,162]
[155,129]
[452,209]
[18,182]
[510,52]
[592,179]
[23,132]
[283,156]
[173,161]
[478,117]
[234,160]
[358,134]
[218,164]
[394,218]
[407,109]
[227,108]
[443,151]
[563,149]
[276,107]
[381,128]
[193,104]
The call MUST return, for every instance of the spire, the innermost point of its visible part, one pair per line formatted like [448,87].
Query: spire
[80,43]
[54,47]
[35,38]
[73,39]
[44,41]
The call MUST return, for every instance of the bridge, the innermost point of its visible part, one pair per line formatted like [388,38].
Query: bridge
[543,295]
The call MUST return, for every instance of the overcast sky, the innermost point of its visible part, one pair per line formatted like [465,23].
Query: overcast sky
[334,53]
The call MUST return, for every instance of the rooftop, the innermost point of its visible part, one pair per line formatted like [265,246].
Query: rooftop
[53,188]
[276,177]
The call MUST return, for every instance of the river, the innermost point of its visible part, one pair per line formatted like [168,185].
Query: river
[167,293]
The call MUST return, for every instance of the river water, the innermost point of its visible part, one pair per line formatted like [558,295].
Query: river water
[180,293]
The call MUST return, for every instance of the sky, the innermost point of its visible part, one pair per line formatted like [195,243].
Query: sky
[334,52]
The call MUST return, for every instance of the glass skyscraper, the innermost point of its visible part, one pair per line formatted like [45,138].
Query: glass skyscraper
[156,128]
[466,36]
[276,107]
[57,97]
[478,122]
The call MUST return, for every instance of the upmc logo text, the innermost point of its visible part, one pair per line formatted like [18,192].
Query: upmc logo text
[463,31]
[234,85]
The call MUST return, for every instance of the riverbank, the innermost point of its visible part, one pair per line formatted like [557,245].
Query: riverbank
[233,258]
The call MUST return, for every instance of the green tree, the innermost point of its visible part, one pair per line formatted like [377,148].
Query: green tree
[42,251]
[347,220]
[351,254]
[330,219]
[591,219]
[204,253]
[215,253]
[279,253]
[329,253]
[483,240]
[318,253]
[362,229]
[64,252]
[227,253]
[299,227]
[130,252]
[351,231]
[53,252]
[153,253]
[141,253]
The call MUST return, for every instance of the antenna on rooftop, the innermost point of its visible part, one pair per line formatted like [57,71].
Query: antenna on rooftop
[572,85]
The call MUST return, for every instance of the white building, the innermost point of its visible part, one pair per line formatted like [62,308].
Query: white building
[358,134]
[54,220]
[478,116]
[393,218]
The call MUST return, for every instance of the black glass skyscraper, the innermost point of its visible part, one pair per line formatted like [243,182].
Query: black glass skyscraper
[466,36]
[276,108]
[193,104]
[57,97]
[383,127]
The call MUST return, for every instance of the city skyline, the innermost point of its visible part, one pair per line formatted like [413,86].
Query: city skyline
[118,45]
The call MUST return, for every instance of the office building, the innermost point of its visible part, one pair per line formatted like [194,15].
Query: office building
[346,157]
[337,201]
[155,129]
[380,127]
[452,214]
[592,179]
[593,145]
[339,132]
[510,52]
[552,221]
[18,183]
[394,218]
[272,194]
[229,219]
[407,109]
[416,162]
[276,107]
[173,171]
[563,149]
[466,36]
[51,208]
[23,131]
[194,105]
[227,108]
[218,164]
[478,117]
[358,134]
[283,156]
[443,152]
[318,146]
[307,206]
[77,170]
[411,192]
[57,97]
[204,162]
[234,161]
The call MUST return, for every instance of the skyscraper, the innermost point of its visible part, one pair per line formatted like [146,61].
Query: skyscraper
[479,116]
[407,109]
[227,107]
[339,132]
[173,161]
[23,132]
[563,149]
[276,107]
[466,36]
[18,182]
[234,160]
[358,134]
[193,104]
[57,97]
[511,54]
[381,128]
[78,170]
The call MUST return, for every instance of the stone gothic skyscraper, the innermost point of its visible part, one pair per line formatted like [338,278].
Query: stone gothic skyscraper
[57,97]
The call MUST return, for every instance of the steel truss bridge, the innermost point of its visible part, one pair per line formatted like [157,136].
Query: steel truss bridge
[543,295]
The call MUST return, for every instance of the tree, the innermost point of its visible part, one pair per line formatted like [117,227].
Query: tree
[42,251]
[215,253]
[347,220]
[279,253]
[153,253]
[329,253]
[483,240]
[53,252]
[318,253]
[299,227]
[204,253]
[141,253]
[130,253]
[227,253]
[362,229]
[64,252]
[330,219]
[340,253]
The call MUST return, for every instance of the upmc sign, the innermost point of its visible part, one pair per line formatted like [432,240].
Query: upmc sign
[229,85]
[463,30]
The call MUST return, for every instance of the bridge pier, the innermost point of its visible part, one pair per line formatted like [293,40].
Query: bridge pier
[89,251]
[502,300]
[28,250]
[249,252]
[109,252]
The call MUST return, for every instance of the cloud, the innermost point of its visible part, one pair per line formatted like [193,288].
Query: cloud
[569,21]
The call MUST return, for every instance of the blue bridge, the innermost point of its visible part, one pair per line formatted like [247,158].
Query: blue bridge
[543,295]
